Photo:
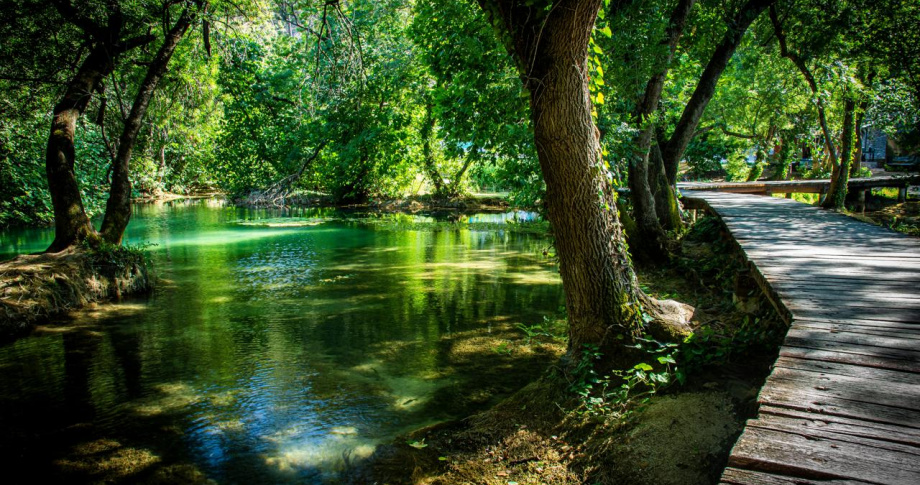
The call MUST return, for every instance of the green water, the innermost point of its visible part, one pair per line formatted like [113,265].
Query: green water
[266,354]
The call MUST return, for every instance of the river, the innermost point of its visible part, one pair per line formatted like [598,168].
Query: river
[276,348]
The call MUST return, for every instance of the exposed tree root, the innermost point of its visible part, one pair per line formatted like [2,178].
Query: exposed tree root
[33,287]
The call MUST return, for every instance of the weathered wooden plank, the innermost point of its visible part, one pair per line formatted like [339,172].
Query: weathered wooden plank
[901,327]
[867,429]
[796,455]
[834,271]
[892,394]
[848,370]
[837,297]
[912,332]
[881,314]
[814,427]
[911,359]
[806,300]
[737,476]
[905,347]
[849,288]
[806,395]
[850,283]
[866,360]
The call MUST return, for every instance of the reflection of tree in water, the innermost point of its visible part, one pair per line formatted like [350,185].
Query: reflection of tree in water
[79,350]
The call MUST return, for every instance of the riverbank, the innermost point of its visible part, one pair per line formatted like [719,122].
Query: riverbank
[38,286]
[483,202]
[568,429]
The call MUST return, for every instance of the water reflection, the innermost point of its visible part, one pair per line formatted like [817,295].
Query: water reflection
[271,354]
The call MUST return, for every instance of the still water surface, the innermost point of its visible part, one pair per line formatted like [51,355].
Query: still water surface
[269,353]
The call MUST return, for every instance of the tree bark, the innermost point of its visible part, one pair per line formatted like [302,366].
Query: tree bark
[118,207]
[674,148]
[427,155]
[649,241]
[603,298]
[838,191]
[857,158]
[71,224]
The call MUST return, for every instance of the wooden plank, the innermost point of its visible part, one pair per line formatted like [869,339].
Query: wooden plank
[828,298]
[907,347]
[857,389]
[911,359]
[880,314]
[813,427]
[823,398]
[849,287]
[848,370]
[906,328]
[866,360]
[835,296]
[912,333]
[853,283]
[880,431]
[737,476]
[792,454]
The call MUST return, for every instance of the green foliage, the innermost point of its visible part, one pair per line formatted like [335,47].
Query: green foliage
[622,392]
[103,254]
[400,92]
[737,169]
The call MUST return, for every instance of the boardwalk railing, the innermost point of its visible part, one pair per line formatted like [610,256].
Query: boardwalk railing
[808,186]
[842,404]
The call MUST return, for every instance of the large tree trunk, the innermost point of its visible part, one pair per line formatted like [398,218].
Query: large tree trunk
[71,224]
[838,191]
[602,294]
[674,148]
[118,207]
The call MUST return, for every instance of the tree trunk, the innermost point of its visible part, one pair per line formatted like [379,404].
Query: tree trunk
[857,158]
[674,148]
[71,224]
[812,84]
[427,155]
[838,190]
[666,204]
[118,207]
[649,241]
[603,298]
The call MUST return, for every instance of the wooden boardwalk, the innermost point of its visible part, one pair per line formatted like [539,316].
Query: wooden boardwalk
[842,404]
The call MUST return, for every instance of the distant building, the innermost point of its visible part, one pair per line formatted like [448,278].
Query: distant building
[876,148]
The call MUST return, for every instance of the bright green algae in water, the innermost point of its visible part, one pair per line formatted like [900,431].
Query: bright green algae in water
[269,353]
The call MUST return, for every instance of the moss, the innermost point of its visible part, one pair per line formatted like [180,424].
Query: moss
[36,287]
[680,439]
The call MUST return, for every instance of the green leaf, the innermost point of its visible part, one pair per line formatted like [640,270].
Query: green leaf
[666,359]
[643,366]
